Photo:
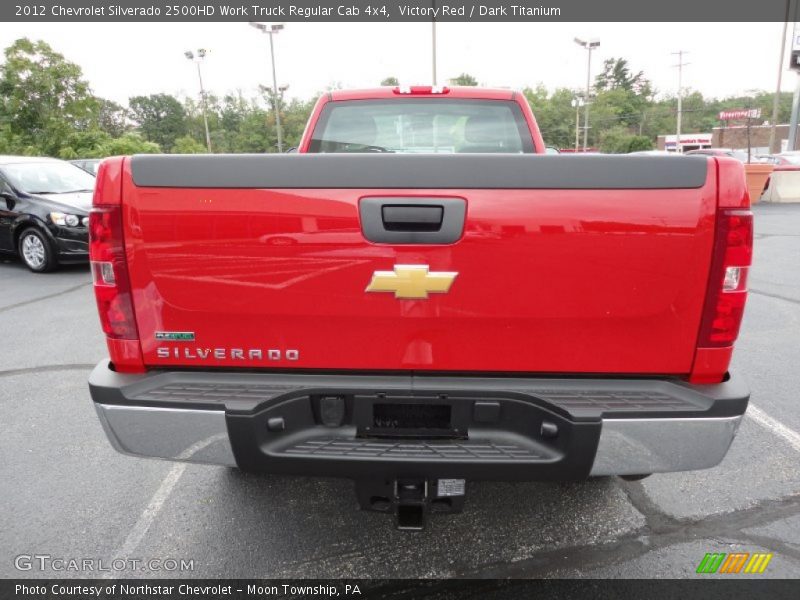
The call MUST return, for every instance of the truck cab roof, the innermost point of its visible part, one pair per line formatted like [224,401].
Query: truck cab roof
[427,91]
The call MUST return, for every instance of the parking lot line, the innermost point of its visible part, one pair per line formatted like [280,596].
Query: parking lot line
[47,368]
[774,426]
[47,297]
[157,501]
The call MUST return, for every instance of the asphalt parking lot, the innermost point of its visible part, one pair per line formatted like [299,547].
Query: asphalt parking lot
[68,494]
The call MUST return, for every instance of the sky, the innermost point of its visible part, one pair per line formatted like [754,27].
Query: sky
[125,59]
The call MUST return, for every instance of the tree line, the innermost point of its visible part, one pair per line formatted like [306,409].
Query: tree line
[48,108]
[627,113]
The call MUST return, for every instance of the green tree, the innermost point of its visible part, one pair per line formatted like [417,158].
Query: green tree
[112,118]
[619,141]
[188,145]
[129,143]
[617,74]
[294,120]
[463,79]
[99,144]
[46,107]
[390,81]
[554,114]
[43,98]
[639,143]
[85,144]
[161,118]
[622,97]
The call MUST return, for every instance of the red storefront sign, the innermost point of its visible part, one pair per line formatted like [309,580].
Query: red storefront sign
[741,113]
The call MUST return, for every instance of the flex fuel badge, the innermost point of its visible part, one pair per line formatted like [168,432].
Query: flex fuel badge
[175,336]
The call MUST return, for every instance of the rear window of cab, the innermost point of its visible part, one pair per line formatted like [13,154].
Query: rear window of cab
[422,126]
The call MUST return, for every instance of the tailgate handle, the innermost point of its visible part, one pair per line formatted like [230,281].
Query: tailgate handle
[413,220]
[412,217]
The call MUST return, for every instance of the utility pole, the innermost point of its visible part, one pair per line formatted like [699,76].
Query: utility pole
[773,148]
[589,45]
[794,64]
[198,58]
[271,31]
[750,96]
[680,65]
[792,144]
[749,143]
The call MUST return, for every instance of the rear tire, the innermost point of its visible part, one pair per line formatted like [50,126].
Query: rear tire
[36,251]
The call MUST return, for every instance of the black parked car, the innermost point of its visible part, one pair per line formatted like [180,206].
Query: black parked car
[44,211]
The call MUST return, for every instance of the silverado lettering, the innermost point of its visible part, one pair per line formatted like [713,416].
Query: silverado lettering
[225,353]
[467,306]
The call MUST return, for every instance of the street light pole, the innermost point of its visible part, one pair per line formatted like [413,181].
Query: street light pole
[276,99]
[577,103]
[680,65]
[433,43]
[589,45]
[201,54]
[275,96]
[586,103]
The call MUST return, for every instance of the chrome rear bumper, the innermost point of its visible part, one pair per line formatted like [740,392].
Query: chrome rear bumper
[626,447]
[199,436]
[206,418]
[641,446]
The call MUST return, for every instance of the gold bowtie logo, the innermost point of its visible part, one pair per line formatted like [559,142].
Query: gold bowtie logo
[411,281]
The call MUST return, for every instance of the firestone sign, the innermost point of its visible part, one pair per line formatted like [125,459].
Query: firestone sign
[743,113]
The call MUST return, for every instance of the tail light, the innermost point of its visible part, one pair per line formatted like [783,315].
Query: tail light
[727,290]
[112,287]
[110,273]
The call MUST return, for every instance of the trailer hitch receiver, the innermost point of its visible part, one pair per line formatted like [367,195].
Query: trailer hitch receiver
[411,499]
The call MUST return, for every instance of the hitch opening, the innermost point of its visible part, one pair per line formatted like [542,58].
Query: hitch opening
[410,517]
[411,499]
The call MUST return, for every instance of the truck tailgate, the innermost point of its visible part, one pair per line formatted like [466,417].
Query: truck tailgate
[566,264]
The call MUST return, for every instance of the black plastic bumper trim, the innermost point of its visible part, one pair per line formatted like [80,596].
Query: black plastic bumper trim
[537,429]
[578,399]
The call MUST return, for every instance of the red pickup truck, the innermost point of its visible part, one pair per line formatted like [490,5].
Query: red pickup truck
[421,297]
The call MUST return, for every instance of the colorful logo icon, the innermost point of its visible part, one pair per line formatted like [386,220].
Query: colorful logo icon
[734,563]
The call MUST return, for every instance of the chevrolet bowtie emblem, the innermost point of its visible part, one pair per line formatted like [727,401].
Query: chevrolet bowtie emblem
[411,281]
